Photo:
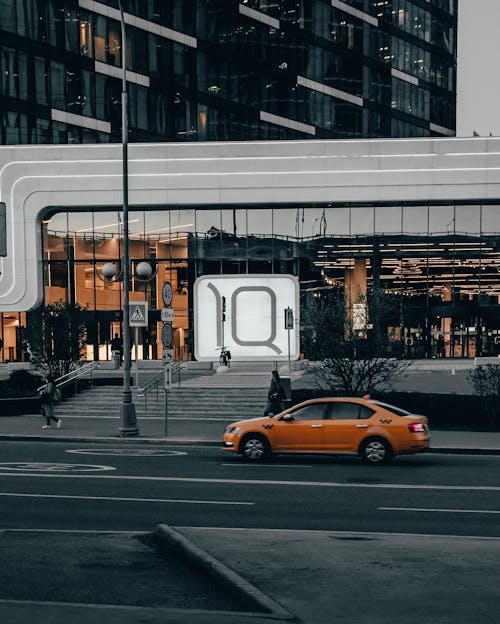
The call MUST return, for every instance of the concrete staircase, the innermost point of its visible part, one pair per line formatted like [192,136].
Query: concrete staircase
[217,392]
[190,401]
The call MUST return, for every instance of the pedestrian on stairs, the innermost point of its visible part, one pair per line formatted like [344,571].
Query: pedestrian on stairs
[275,395]
[49,396]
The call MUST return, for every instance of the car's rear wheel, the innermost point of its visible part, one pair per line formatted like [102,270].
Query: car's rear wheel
[255,447]
[376,451]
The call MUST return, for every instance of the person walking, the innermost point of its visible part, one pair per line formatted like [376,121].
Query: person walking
[275,395]
[117,345]
[49,396]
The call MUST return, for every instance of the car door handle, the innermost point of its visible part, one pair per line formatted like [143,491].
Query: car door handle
[361,426]
[316,426]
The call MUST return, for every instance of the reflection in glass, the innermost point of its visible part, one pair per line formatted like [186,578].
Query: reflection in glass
[415,220]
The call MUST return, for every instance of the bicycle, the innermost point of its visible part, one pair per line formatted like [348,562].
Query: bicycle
[224,356]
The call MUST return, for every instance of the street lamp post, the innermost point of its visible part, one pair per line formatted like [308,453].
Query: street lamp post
[128,421]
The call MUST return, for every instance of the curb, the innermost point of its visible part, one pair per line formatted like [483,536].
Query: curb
[118,438]
[464,451]
[171,539]
[197,442]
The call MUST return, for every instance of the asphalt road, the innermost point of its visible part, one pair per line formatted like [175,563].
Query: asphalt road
[133,488]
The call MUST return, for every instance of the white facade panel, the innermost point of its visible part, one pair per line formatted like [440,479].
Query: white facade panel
[35,178]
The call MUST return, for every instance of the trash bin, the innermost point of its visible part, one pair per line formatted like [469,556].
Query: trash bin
[116,359]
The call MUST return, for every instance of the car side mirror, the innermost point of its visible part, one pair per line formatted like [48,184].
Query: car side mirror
[287,417]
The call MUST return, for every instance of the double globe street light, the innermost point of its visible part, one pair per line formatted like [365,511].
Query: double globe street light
[111,273]
[144,271]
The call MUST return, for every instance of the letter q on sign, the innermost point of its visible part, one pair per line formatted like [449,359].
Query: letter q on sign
[251,325]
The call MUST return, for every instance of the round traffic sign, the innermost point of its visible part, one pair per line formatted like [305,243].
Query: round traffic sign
[166,293]
[167,335]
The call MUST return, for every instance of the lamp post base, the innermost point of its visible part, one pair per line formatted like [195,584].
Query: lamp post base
[128,426]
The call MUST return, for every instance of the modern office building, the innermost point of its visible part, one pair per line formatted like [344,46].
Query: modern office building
[205,71]
[223,70]
[416,221]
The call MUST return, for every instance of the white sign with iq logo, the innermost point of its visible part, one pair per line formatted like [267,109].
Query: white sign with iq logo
[245,314]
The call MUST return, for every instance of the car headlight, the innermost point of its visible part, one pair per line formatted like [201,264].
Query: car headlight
[232,429]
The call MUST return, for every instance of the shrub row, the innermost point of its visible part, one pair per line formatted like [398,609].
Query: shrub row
[444,411]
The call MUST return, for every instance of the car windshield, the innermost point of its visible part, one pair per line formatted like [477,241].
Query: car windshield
[392,408]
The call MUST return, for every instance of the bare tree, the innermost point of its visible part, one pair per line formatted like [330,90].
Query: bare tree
[357,342]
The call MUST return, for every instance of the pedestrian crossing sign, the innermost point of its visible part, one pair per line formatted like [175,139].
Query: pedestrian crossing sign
[138,313]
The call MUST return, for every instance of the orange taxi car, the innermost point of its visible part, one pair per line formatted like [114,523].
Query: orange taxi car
[375,431]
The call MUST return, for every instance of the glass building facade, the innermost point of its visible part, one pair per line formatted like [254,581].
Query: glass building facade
[227,70]
[223,70]
[437,264]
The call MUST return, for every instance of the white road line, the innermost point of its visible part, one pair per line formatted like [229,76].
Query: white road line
[246,482]
[423,509]
[310,532]
[255,531]
[97,531]
[238,465]
[133,500]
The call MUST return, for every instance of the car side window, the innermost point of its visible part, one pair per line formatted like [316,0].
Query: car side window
[349,411]
[365,412]
[315,411]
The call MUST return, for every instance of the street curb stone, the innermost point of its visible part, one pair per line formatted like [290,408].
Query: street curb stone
[197,442]
[173,540]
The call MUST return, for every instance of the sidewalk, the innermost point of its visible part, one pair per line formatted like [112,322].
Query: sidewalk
[202,431]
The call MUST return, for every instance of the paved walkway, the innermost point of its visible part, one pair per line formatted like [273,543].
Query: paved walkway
[189,430]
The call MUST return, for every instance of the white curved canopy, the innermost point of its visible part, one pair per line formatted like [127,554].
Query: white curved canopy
[35,178]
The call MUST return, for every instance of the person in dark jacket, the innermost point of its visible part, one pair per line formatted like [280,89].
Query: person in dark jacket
[49,396]
[275,396]
[117,345]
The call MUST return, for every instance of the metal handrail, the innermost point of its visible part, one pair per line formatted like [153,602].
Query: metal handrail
[150,384]
[74,375]
[159,380]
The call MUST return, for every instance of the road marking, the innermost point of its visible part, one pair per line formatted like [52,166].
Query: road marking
[128,452]
[133,500]
[304,532]
[424,509]
[97,531]
[246,482]
[239,465]
[53,467]
[309,532]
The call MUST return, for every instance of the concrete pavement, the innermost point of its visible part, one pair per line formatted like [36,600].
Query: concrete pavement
[207,431]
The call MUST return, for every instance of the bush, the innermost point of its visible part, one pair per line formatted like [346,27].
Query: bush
[20,383]
[486,383]
[25,380]
[444,411]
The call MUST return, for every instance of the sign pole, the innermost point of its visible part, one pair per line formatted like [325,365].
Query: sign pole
[165,389]
[167,317]
[136,350]
[289,327]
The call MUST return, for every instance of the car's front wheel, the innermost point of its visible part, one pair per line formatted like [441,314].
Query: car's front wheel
[255,447]
[376,451]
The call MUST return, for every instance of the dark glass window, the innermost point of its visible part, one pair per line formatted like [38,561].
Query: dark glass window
[347,411]
[315,411]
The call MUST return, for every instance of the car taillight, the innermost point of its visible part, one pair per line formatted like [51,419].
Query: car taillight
[416,428]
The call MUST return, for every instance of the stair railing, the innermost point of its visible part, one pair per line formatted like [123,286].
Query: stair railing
[158,382]
[74,375]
